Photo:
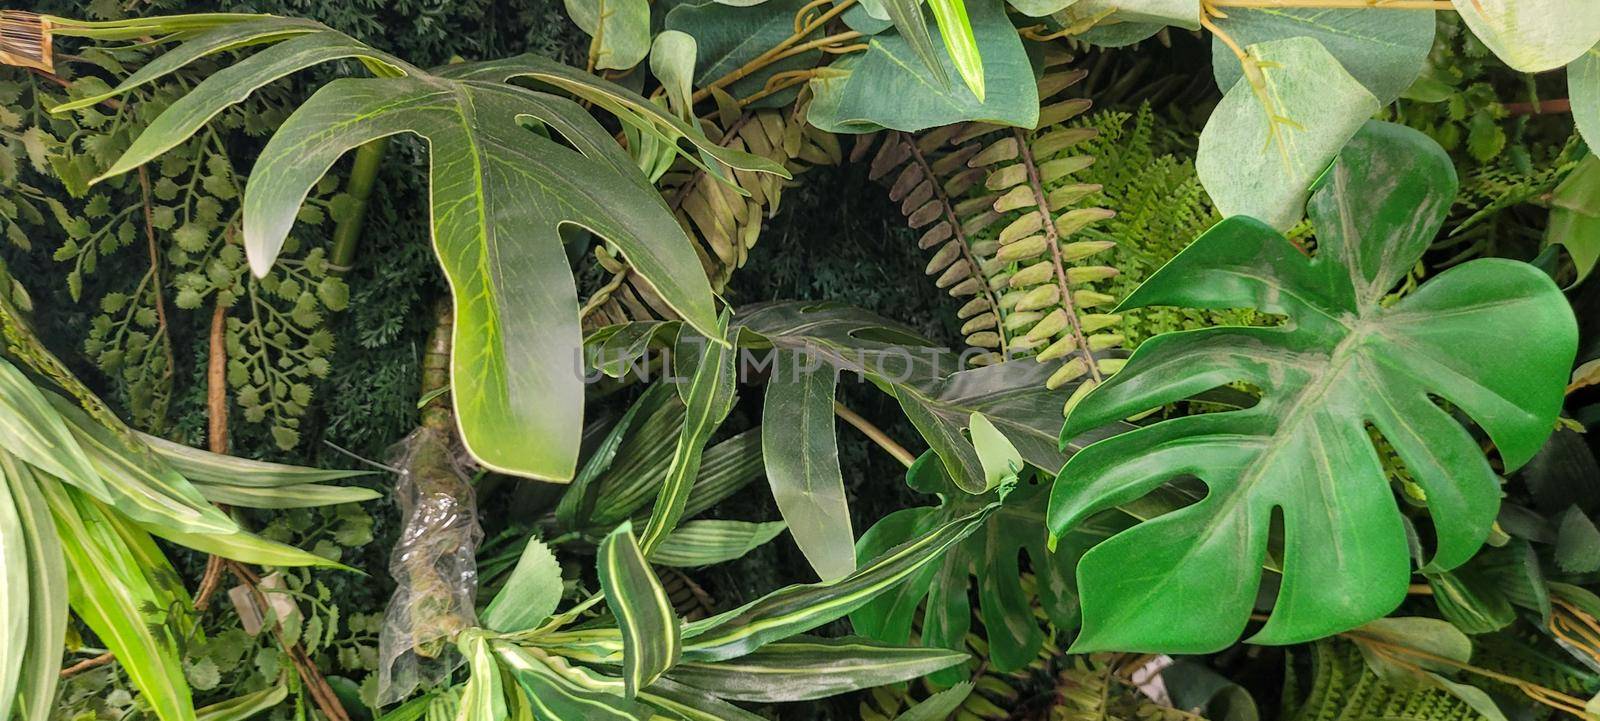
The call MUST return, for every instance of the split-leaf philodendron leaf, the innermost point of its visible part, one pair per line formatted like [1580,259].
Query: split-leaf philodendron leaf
[1349,356]
[509,167]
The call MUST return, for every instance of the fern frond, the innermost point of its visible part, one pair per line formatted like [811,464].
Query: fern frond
[724,224]
[1340,687]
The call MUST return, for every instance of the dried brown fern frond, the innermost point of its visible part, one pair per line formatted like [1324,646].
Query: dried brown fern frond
[1003,216]
[689,600]
[25,40]
[724,224]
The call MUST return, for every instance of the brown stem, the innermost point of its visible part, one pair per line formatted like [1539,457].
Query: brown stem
[437,414]
[773,54]
[217,382]
[1544,107]
[321,693]
[87,664]
[155,271]
[875,433]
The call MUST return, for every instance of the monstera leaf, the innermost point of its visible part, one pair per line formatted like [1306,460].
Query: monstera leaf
[509,167]
[1488,341]
[993,557]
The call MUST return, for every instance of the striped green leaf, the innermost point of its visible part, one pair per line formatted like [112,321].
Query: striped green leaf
[651,636]
[702,543]
[34,432]
[243,707]
[679,701]
[557,692]
[305,495]
[530,594]
[215,468]
[138,484]
[707,398]
[244,546]
[800,608]
[111,593]
[47,595]
[482,699]
[15,597]
[577,504]
[801,451]
[812,668]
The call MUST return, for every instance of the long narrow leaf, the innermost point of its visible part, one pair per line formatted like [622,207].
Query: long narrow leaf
[801,450]
[800,608]
[482,699]
[15,596]
[708,398]
[207,467]
[960,41]
[651,634]
[555,697]
[907,18]
[804,669]
[243,707]
[702,543]
[578,502]
[692,704]
[47,595]
[33,432]
[110,593]
[305,495]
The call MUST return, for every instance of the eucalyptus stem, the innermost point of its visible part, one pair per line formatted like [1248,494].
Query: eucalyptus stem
[363,175]
[875,433]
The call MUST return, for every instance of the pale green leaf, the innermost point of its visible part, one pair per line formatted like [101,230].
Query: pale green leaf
[802,668]
[1384,50]
[1533,35]
[620,30]
[529,595]
[1583,87]
[47,594]
[998,457]
[1264,144]
[672,60]
[244,707]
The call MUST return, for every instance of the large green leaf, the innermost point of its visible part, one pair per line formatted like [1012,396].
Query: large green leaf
[801,451]
[889,87]
[803,668]
[796,609]
[651,634]
[1277,128]
[1345,358]
[1386,51]
[1533,35]
[500,194]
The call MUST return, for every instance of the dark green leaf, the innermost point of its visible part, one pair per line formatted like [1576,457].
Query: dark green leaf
[651,635]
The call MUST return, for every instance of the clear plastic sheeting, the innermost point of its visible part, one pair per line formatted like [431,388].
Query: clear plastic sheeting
[433,563]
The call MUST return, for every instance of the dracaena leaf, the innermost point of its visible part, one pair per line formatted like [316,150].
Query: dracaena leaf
[557,692]
[702,543]
[46,608]
[652,638]
[1345,358]
[707,398]
[800,608]
[803,668]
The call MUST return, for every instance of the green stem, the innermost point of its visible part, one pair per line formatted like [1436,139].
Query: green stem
[363,175]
